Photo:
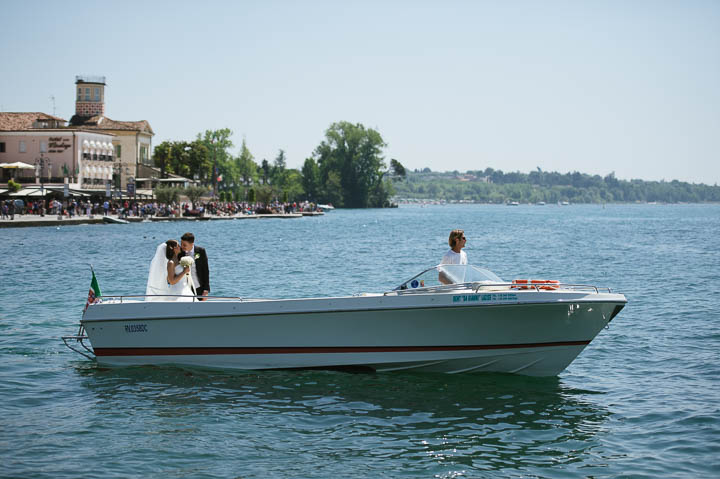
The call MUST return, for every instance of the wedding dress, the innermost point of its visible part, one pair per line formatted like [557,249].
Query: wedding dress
[158,284]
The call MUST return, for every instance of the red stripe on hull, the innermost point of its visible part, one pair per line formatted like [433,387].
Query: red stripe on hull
[317,350]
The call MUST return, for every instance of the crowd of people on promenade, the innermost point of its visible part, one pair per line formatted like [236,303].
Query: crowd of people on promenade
[71,208]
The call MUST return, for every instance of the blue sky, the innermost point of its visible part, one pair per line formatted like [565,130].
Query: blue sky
[591,86]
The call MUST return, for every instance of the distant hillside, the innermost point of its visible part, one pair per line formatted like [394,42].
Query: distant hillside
[494,186]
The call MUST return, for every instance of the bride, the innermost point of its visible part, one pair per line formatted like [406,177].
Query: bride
[167,276]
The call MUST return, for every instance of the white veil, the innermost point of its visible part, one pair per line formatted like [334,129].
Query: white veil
[157,278]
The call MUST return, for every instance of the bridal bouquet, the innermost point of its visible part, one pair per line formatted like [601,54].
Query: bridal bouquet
[186,261]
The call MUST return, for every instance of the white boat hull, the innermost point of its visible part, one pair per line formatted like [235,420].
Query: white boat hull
[537,333]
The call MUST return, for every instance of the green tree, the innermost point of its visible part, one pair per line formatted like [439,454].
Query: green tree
[293,185]
[177,161]
[398,170]
[161,156]
[264,194]
[265,168]
[194,193]
[246,167]
[198,160]
[167,194]
[332,191]
[382,193]
[13,186]
[278,172]
[279,165]
[218,143]
[311,179]
[353,153]
[186,159]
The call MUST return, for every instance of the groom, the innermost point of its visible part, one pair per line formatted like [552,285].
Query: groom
[199,270]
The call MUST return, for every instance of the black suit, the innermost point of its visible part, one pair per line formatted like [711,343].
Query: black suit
[203,271]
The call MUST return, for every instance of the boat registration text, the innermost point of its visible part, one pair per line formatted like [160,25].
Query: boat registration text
[463,298]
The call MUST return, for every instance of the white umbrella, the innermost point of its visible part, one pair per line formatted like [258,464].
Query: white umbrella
[18,164]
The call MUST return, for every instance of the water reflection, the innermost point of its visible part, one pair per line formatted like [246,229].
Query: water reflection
[444,422]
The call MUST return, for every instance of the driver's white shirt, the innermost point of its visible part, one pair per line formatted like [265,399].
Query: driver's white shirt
[451,257]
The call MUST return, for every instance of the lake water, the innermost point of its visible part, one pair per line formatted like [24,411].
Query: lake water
[643,400]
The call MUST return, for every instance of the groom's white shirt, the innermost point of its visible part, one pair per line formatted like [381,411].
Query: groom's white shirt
[193,268]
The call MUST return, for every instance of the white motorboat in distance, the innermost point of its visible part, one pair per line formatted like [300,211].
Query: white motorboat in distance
[117,221]
[477,323]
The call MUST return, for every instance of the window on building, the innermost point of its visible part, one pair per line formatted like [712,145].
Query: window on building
[143,155]
[97,94]
[22,147]
[87,93]
[43,147]
[118,150]
[2,147]
[79,93]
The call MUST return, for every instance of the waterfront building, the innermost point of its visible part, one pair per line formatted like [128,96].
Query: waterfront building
[54,150]
[92,154]
[132,140]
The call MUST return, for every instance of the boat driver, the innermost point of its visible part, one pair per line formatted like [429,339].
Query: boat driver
[455,255]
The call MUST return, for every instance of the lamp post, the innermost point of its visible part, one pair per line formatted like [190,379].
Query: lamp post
[214,172]
[117,169]
[40,164]
[131,190]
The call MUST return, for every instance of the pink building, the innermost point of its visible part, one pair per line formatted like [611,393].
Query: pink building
[39,139]
[92,151]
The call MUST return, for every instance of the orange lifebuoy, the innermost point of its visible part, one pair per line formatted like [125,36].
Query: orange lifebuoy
[547,284]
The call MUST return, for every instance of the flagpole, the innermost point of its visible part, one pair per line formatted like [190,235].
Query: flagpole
[94,293]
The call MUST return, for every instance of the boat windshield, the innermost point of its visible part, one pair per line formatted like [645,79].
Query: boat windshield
[444,274]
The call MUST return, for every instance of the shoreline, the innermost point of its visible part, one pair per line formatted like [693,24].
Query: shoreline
[23,221]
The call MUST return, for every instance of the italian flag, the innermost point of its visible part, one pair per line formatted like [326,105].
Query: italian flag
[94,294]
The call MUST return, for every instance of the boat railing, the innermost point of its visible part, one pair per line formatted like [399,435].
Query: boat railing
[548,287]
[120,298]
[442,288]
[79,339]
[478,286]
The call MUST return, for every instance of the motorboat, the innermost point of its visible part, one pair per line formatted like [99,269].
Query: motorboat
[112,220]
[449,318]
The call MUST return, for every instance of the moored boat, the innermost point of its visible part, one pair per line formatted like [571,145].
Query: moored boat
[450,318]
[111,220]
